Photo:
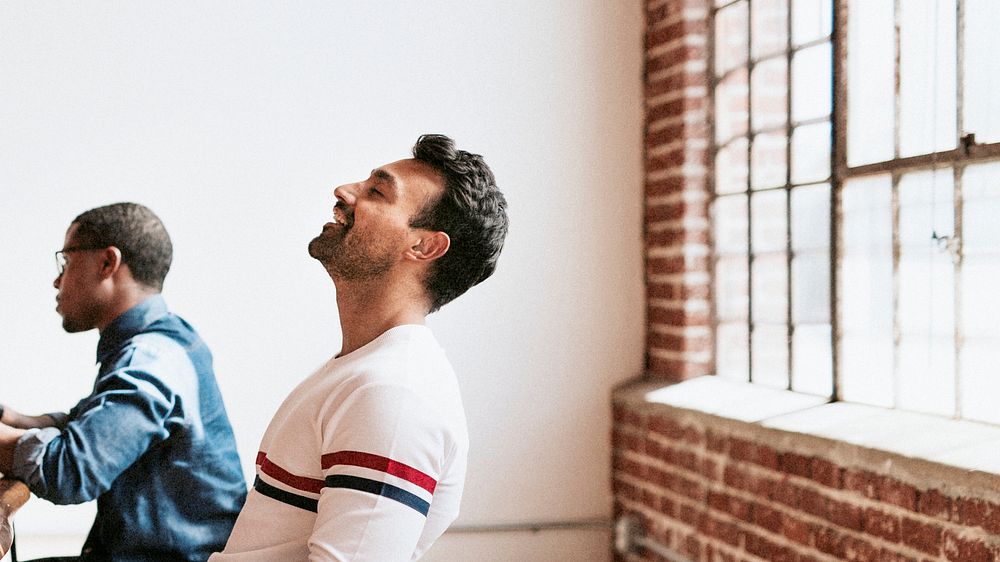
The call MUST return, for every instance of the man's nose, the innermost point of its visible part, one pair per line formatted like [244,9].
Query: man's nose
[347,193]
[55,282]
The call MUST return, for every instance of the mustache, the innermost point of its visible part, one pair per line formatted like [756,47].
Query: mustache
[346,212]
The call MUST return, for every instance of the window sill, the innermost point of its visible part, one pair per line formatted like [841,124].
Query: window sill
[925,447]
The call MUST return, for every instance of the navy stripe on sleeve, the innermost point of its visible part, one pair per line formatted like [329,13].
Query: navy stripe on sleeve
[379,488]
[285,497]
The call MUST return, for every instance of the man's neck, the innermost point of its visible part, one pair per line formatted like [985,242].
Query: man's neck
[123,302]
[368,312]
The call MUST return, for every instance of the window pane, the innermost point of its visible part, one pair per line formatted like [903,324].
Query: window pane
[870,79]
[731,289]
[926,294]
[731,26]
[769,94]
[770,27]
[927,76]
[866,295]
[811,217]
[980,310]
[770,355]
[927,375]
[811,83]
[731,106]
[769,160]
[811,289]
[768,218]
[811,153]
[732,355]
[812,367]
[811,19]
[731,167]
[730,224]
[982,69]
[770,289]
[980,383]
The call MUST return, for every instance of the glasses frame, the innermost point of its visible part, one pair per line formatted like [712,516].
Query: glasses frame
[60,255]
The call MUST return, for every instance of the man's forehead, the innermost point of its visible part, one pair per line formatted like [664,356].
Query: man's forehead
[410,175]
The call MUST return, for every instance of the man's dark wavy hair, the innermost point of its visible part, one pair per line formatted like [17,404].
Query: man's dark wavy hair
[137,232]
[473,213]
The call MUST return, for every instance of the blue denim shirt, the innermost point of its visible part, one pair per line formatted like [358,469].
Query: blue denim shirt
[152,443]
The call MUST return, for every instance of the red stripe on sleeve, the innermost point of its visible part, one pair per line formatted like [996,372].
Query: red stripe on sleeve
[261,455]
[303,483]
[383,464]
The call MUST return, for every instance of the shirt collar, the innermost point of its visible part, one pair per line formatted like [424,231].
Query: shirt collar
[130,323]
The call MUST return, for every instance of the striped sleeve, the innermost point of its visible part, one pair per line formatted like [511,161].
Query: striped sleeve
[381,462]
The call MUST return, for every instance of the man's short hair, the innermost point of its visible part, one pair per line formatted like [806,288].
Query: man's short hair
[473,213]
[137,232]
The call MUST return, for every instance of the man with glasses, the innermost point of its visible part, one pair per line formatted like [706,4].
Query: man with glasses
[152,442]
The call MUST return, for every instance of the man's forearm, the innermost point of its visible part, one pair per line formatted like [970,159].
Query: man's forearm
[18,420]
[8,440]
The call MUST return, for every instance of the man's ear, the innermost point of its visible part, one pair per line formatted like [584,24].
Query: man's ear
[431,246]
[112,257]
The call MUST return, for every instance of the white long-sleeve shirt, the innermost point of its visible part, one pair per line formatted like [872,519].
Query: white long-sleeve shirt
[364,461]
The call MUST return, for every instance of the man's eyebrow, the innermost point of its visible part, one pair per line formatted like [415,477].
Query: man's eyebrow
[385,177]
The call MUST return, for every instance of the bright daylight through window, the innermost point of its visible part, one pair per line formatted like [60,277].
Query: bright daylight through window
[857,195]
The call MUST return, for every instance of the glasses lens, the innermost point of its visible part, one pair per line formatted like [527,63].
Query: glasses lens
[60,262]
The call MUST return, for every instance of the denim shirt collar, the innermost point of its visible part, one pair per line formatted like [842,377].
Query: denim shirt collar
[130,323]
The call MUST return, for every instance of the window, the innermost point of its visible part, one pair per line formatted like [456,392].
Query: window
[856,209]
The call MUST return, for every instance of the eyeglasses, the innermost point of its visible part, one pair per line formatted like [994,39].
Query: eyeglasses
[61,255]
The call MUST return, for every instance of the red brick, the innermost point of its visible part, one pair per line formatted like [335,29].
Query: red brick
[979,512]
[844,514]
[674,57]
[934,503]
[731,505]
[785,493]
[674,431]
[754,453]
[894,492]
[860,551]
[921,536]
[677,211]
[882,524]
[666,186]
[890,556]
[768,550]
[676,30]
[812,502]
[827,473]
[689,488]
[675,370]
[767,518]
[722,530]
[710,470]
[678,291]
[717,443]
[795,529]
[797,465]
[671,317]
[959,549]
[651,500]
[860,481]
[668,238]
[830,542]
[690,515]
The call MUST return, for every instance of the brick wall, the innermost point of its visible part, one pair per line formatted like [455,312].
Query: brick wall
[677,189]
[716,490]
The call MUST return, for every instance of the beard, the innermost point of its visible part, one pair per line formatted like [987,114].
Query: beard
[350,255]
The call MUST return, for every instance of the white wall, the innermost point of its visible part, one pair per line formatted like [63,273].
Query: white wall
[233,121]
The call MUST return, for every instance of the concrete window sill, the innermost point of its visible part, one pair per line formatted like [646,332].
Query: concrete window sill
[927,447]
